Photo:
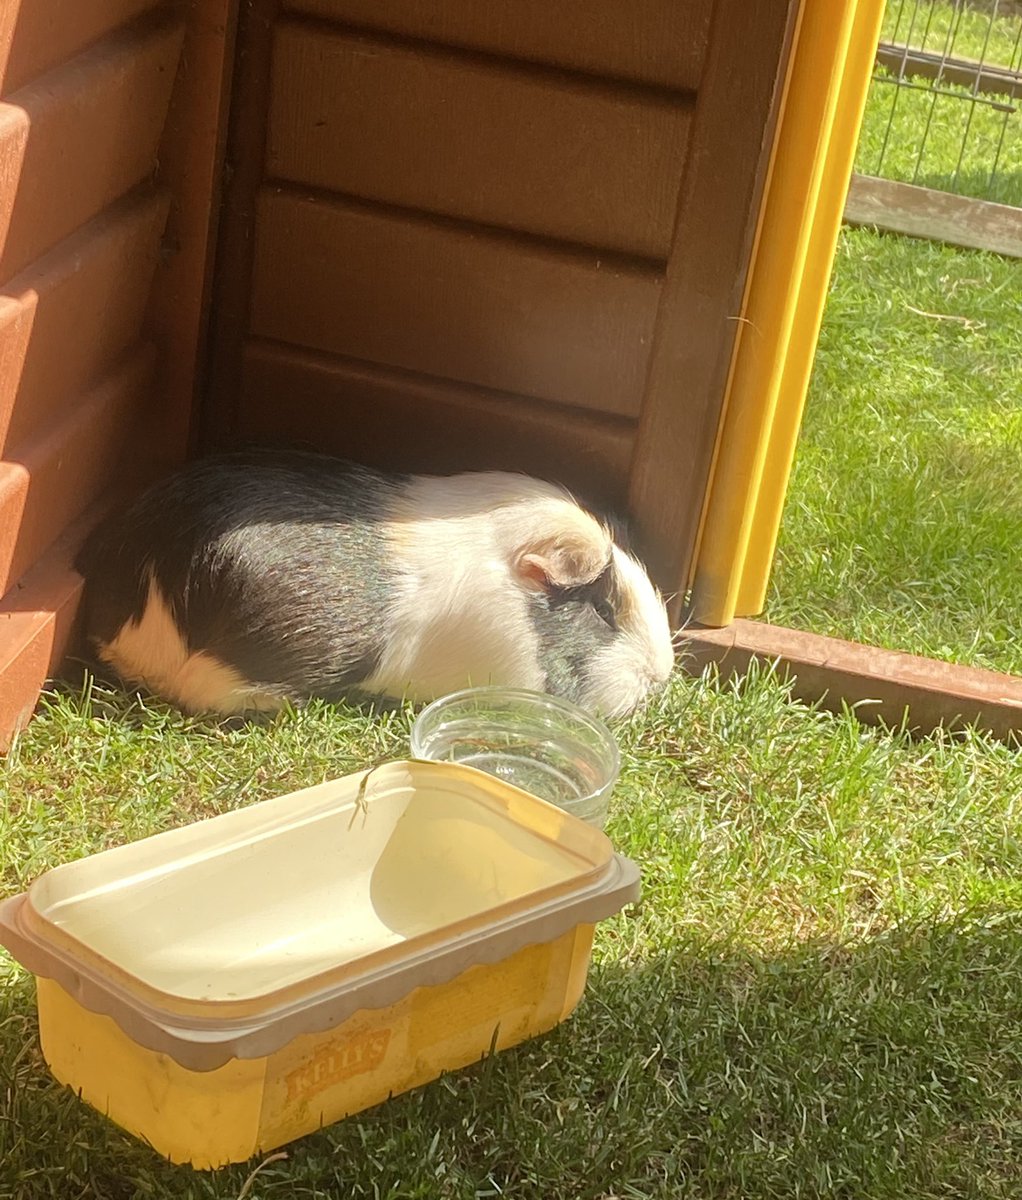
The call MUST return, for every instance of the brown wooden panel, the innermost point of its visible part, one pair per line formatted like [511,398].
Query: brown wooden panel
[911,62]
[924,212]
[80,137]
[36,622]
[191,167]
[355,409]
[661,42]
[705,280]
[449,301]
[245,152]
[37,617]
[884,686]
[38,34]
[553,155]
[73,312]
[55,479]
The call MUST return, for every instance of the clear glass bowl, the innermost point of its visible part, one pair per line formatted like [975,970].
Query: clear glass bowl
[536,742]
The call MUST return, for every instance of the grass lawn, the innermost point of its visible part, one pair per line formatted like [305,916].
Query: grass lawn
[988,166]
[904,514]
[819,996]
[917,136]
[965,30]
[891,142]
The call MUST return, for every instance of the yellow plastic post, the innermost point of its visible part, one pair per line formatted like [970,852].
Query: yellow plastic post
[829,74]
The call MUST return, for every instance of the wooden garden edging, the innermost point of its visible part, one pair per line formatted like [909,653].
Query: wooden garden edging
[985,77]
[940,216]
[882,685]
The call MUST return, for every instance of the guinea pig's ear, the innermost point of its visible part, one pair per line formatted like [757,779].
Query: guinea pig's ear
[563,561]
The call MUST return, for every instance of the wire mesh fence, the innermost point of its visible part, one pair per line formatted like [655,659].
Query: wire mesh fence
[944,107]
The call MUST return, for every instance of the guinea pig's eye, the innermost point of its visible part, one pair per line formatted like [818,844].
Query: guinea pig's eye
[605,612]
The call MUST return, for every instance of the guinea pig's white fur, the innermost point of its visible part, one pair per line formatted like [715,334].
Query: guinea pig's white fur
[496,536]
[467,564]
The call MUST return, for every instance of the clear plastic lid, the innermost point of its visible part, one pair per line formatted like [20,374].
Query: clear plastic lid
[339,895]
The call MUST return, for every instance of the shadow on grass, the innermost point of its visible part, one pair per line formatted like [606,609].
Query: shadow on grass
[982,477]
[1000,186]
[91,683]
[887,1069]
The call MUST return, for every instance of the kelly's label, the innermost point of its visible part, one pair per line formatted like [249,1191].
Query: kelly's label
[335,1063]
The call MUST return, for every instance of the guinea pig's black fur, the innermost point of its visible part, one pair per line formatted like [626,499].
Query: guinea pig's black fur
[251,579]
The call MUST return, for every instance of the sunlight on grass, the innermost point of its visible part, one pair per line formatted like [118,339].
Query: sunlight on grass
[901,527]
[963,30]
[818,995]
[989,166]
[945,141]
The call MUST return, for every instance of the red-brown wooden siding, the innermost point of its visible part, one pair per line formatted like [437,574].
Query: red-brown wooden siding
[85,91]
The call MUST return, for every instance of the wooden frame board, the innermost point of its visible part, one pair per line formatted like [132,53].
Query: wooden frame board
[885,687]
[37,613]
[940,216]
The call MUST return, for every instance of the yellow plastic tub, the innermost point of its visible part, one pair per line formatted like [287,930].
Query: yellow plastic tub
[223,988]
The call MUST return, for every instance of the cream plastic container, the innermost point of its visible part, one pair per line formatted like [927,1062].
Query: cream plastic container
[225,987]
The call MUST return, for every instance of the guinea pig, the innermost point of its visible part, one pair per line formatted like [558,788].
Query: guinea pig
[250,580]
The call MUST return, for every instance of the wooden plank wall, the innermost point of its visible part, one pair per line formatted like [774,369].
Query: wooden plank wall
[80,220]
[88,181]
[457,235]
[458,222]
